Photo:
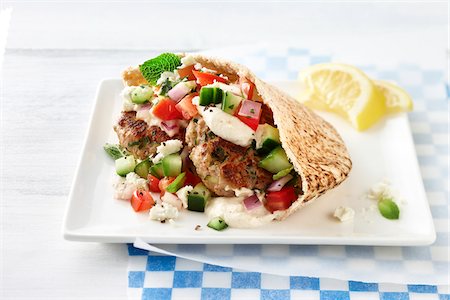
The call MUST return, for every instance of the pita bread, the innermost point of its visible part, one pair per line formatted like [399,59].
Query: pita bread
[314,147]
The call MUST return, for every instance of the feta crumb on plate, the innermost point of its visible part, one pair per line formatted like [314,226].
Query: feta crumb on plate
[124,187]
[163,211]
[344,214]
[183,194]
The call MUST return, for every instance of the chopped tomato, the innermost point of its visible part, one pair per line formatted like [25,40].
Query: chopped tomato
[247,87]
[142,200]
[153,183]
[204,78]
[280,200]
[250,122]
[185,106]
[164,183]
[187,72]
[166,110]
[192,179]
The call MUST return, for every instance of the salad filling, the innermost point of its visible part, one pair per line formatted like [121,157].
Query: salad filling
[192,138]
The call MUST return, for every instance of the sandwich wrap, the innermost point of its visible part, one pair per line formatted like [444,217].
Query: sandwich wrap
[313,146]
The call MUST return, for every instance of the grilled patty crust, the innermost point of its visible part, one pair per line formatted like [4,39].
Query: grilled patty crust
[222,165]
[138,137]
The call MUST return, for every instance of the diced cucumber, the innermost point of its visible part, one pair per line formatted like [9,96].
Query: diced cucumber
[217,223]
[157,170]
[267,138]
[171,165]
[190,84]
[177,183]
[210,95]
[141,94]
[282,173]
[143,168]
[275,161]
[198,197]
[125,165]
[231,102]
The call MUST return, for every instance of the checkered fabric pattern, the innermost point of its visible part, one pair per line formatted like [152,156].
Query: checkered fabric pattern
[162,277]
[154,276]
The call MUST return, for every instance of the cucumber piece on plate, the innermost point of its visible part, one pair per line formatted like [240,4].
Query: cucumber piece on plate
[267,138]
[177,183]
[275,161]
[171,165]
[217,223]
[198,197]
[157,170]
[141,94]
[210,95]
[143,168]
[231,102]
[125,165]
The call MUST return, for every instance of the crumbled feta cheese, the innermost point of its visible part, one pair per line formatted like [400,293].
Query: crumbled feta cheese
[166,148]
[163,211]
[183,194]
[167,75]
[199,67]
[186,61]
[344,213]
[243,192]
[172,200]
[233,88]
[380,190]
[127,105]
[124,187]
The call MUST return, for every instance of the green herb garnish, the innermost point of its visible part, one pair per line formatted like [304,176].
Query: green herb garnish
[115,151]
[388,209]
[165,87]
[153,68]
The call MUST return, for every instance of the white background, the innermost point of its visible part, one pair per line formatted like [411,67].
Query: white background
[50,83]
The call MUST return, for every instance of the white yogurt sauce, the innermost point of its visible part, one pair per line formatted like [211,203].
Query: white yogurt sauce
[225,125]
[234,213]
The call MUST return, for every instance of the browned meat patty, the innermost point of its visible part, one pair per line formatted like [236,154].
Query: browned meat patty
[139,138]
[222,165]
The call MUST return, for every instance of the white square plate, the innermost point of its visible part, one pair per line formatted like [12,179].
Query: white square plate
[384,151]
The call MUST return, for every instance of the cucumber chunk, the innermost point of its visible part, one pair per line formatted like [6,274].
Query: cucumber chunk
[143,168]
[231,102]
[275,161]
[198,197]
[171,165]
[267,138]
[217,223]
[157,170]
[141,94]
[210,95]
[125,165]
[282,173]
[177,183]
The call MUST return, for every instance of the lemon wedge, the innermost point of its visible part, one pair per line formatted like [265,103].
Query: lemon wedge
[345,90]
[396,99]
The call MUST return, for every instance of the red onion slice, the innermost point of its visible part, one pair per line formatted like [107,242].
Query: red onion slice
[278,184]
[250,109]
[252,202]
[179,91]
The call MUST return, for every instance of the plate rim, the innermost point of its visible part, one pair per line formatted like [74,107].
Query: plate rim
[81,236]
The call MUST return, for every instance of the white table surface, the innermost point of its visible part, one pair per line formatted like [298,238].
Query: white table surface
[48,89]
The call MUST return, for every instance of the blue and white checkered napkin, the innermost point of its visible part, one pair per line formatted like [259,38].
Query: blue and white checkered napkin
[157,276]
